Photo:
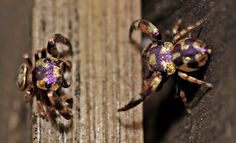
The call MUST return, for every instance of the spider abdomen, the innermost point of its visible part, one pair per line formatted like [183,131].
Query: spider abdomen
[48,74]
[190,54]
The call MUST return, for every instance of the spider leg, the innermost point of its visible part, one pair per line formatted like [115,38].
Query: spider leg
[181,94]
[145,27]
[58,38]
[36,55]
[65,98]
[186,30]
[175,29]
[184,100]
[194,80]
[57,104]
[183,97]
[27,95]
[28,60]
[150,86]
[64,83]
[134,102]
[65,66]
[42,108]
[44,53]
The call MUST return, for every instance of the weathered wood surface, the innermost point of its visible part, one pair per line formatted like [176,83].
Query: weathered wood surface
[106,69]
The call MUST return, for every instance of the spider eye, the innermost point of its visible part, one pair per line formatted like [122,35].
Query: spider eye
[22,77]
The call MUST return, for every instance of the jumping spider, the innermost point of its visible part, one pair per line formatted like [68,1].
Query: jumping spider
[164,59]
[43,77]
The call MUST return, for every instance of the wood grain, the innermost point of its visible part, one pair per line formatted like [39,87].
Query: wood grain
[106,69]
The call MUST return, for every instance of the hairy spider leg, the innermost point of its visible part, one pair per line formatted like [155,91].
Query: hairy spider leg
[180,93]
[175,28]
[186,30]
[65,66]
[41,107]
[150,86]
[28,60]
[65,98]
[64,83]
[52,49]
[36,56]
[194,80]
[183,98]
[56,103]
[27,95]
[44,53]
[145,27]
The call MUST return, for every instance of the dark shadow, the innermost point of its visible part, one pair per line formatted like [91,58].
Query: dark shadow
[158,120]
[170,109]
[134,125]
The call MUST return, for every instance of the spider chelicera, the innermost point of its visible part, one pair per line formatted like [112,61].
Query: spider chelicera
[43,77]
[164,59]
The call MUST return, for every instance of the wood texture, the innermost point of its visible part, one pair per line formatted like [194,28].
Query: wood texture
[106,69]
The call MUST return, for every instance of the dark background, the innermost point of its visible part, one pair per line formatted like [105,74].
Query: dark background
[213,118]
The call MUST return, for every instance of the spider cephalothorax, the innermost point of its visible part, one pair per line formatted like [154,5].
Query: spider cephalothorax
[44,78]
[163,59]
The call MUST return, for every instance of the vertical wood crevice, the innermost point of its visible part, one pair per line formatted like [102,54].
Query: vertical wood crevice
[106,69]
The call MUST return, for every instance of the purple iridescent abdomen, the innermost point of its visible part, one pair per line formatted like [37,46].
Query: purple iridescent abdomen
[48,73]
[190,54]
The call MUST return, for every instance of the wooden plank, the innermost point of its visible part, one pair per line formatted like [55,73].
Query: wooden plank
[106,69]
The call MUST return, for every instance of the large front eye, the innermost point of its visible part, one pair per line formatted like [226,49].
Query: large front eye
[22,77]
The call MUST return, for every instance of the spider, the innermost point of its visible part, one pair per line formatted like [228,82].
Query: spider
[43,77]
[164,59]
